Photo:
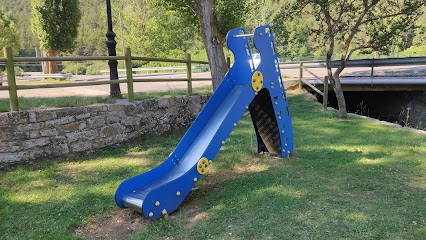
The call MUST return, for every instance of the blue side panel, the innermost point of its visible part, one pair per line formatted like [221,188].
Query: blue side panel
[161,190]
[269,67]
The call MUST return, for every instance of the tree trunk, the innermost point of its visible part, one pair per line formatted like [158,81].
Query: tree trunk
[212,40]
[335,80]
[339,95]
[50,67]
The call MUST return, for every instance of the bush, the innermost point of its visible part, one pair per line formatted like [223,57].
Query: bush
[95,68]
[75,68]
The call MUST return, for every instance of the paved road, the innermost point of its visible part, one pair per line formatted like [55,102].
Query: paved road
[103,90]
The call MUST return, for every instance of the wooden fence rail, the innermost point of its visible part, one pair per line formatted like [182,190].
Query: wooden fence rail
[12,87]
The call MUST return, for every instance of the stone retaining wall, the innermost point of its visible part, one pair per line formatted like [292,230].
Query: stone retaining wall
[43,134]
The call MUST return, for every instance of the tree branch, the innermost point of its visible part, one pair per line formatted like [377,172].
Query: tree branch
[383,17]
[355,49]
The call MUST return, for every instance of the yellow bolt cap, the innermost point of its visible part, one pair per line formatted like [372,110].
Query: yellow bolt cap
[235,124]
[283,150]
[157,203]
[276,103]
[151,214]
[210,161]
[164,212]
[282,131]
[178,193]
[223,142]
[272,87]
[195,179]
[255,93]
[246,107]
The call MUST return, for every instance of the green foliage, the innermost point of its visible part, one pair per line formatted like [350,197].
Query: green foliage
[230,14]
[18,70]
[420,32]
[94,69]
[293,35]
[20,10]
[375,25]
[8,33]
[55,23]
[75,68]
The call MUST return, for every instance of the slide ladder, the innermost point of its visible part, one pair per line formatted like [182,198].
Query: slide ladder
[245,88]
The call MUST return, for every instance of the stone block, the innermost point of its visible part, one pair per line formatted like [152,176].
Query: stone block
[12,157]
[96,122]
[9,146]
[18,135]
[132,109]
[83,135]
[82,116]
[28,144]
[110,130]
[72,111]
[81,146]
[34,134]
[115,107]
[29,126]
[32,116]
[36,153]
[163,102]
[45,115]
[74,126]
[60,121]
[112,118]
[54,150]
[131,121]
[49,132]
[14,117]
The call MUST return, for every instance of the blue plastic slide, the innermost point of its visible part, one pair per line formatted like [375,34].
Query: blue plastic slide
[260,91]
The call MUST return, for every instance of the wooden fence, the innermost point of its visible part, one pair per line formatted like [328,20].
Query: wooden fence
[13,88]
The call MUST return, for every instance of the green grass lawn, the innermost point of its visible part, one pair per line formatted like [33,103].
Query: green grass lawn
[73,101]
[351,179]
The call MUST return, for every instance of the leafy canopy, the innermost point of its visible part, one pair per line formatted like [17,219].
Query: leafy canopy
[8,33]
[55,23]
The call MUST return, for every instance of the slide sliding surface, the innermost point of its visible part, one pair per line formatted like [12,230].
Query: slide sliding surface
[161,190]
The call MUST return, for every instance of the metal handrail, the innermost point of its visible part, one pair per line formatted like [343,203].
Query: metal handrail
[358,63]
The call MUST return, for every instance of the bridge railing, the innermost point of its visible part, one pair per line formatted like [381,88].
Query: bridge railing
[305,65]
[13,87]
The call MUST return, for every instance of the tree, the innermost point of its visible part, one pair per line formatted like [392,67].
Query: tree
[55,23]
[8,36]
[357,25]
[8,33]
[215,18]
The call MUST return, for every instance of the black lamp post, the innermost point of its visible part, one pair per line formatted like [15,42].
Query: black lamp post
[111,44]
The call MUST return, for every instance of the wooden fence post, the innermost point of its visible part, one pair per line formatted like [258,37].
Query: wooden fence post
[11,80]
[325,90]
[300,75]
[129,66]
[188,73]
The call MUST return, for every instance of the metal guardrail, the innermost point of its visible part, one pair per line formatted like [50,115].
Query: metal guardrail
[358,63]
[12,87]
[303,66]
